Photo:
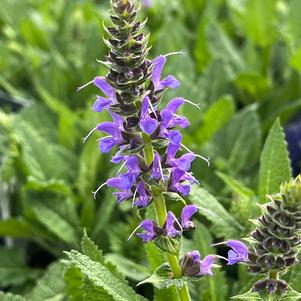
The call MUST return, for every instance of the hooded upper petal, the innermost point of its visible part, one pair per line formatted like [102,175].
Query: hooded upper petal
[106,88]
[156,170]
[187,212]
[239,252]
[169,226]
[207,264]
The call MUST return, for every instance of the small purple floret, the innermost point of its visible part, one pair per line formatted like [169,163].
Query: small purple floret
[144,197]
[169,82]
[170,224]
[239,252]
[149,231]
[187,212]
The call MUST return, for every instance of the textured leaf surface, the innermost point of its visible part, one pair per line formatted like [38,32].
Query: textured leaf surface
[224,225]
[274,162]
[101,277]
[236,186]
[11,297]
[13,268]
[249,296]
[50,287]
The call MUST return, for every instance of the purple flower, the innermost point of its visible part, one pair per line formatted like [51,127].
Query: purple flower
[207,264]
[147,3]
[239,252]
[175,137]
[176,182]
[156,170]
[195,255]
[187,212]
[115,129]
[147,124]
[127,180]
[169,114]
[193,266]
[182,163]
[102,102]
[169,119]
[172,227]
[169,82]
[144,197]
[149,228]
[123,195]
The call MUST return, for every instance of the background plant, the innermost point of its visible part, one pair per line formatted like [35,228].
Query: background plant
[243,77]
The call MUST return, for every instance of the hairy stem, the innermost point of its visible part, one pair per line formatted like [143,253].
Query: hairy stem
[161,214]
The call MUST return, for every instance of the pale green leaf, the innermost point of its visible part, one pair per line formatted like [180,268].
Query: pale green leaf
[249,296]
[236,147]
[90,249]
[128,267]
[14,227]
[223,224]
[11,297]
[259,21]
[215,118]
[274,162]
[236,186]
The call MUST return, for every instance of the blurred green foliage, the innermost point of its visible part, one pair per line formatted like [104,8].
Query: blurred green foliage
[242,64]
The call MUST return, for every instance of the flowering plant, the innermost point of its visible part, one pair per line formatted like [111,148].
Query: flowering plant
[147,141]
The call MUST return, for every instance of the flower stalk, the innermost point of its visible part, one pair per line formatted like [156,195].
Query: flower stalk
[147,140]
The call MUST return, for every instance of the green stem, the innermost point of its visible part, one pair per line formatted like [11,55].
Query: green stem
[172,259]
[161,213]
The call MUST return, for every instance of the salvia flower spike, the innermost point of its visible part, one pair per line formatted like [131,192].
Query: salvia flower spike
[275,243]
[145,138]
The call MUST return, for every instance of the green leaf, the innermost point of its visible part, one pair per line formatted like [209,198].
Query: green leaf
[101,277]
[236,186]
[291,295]
[296,60]
[224,225]
[49,208]
[90,249]
[249,296]
[254,84]
[259,21]
[13,268]
[218,114]
[50,287]
[161,278]
[11,297]
[14,227]
[236,147]
[129,268]
[35,148]
[275,165]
